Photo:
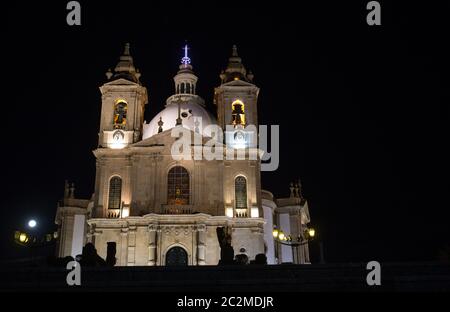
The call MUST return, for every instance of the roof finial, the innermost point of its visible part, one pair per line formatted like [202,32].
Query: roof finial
[160,124]
[72,190]
[300,188]
[235,53]
[186,60]
[296,191]
[179,120]
[66,189]
[127,49]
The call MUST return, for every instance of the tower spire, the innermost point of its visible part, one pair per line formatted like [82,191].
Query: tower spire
[235,70]
[126,50]
[125,67]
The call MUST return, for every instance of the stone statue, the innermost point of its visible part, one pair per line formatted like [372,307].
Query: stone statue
[120,113]
[226,250]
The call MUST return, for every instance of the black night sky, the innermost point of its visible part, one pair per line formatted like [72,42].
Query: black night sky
[362,111]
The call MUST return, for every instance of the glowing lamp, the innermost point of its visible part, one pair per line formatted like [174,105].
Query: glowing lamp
[125,212]
[23,238]
[275,232]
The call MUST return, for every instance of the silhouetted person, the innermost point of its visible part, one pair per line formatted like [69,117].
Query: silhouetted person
[111,254]
[242,259]
[260,259]
[90,256]
[227,255]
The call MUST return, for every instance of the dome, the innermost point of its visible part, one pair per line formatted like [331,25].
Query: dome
[186,100]
[188,111]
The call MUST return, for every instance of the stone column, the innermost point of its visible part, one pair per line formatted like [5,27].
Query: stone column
[131,246]
[201,246]
[123,246]
[90,236]
[305,250]
[95,234]
[152,244]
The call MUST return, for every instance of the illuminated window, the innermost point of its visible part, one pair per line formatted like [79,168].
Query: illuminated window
[115,193]
[240,192]
[120,114]
[238,113]
[178,186]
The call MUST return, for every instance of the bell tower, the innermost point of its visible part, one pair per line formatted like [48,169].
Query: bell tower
[236,98]
[123,102]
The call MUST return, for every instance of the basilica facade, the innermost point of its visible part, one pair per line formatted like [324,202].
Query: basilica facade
[158,208]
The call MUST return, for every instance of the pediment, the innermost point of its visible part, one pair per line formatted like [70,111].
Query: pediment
[238,83]
[120,82]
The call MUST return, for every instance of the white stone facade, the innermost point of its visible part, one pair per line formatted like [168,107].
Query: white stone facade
[149,203]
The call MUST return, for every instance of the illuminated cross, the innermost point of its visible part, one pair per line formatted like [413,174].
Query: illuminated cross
[186,60]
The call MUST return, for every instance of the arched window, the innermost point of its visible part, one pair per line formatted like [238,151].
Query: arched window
[188,87]
[238,113]
[178,186]
[115,193]
[120,114]
[240,192]
[182,87]
[178,88]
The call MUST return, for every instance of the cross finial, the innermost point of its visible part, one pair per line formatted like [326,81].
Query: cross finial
[186,60]
[72,190]
[66,189]
[235,53]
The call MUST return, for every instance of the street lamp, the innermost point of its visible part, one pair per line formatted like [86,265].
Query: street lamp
[275,232]
[21,238]
[311,233]
[283,239]
[32,223]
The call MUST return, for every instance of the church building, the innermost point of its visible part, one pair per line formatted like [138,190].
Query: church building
[158,209]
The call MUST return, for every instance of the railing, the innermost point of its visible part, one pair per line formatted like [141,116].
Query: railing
[113,214]
[177,209]
[241,213]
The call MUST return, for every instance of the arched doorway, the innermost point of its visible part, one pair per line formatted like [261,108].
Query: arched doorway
[176,256]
